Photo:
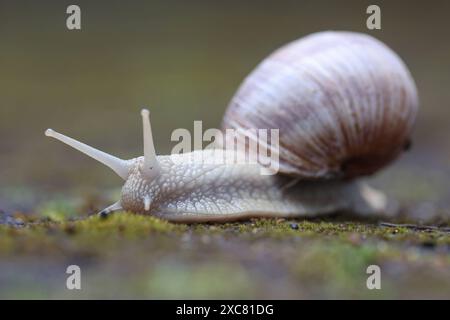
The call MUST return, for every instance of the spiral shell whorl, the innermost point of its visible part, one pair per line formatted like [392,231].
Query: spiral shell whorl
[344,102]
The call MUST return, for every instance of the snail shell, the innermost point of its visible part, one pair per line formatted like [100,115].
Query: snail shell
[344,103]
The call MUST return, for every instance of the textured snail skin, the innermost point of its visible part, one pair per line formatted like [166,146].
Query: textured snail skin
[192,191]
[344,104]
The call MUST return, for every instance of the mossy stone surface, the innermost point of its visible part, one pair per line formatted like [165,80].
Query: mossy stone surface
[132,256]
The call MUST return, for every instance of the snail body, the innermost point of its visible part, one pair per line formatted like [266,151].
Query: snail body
[344,104]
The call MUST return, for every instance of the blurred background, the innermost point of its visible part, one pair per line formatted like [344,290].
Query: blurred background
[184,60]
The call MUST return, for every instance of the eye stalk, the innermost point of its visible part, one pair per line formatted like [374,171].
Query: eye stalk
[118,165]
[151,167]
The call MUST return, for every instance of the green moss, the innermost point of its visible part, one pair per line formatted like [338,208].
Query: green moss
[57,210]
[262,258]
[348,231]
[128,224]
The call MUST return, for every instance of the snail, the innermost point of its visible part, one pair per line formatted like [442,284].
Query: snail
[344,104]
